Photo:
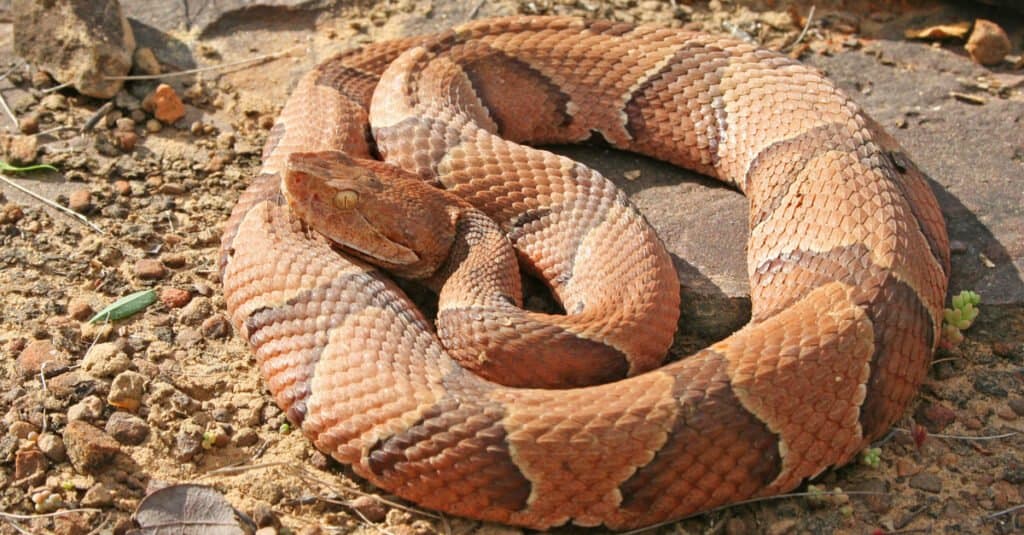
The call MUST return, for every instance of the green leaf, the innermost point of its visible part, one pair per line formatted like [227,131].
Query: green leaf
[8,168]
[125,306]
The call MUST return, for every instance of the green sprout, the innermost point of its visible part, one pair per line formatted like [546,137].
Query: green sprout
[871,457]
[285,428]
[960,317]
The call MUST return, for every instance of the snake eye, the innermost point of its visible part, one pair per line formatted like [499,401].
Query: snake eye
[346,199]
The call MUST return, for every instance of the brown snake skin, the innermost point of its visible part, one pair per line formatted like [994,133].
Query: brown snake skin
[847,256]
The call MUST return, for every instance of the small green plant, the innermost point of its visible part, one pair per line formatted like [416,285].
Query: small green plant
[8,168]
[208,439]
[67,485]
[285,428]
[959,318]
[871,457]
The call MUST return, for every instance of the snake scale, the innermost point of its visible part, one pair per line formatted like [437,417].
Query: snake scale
[847,257]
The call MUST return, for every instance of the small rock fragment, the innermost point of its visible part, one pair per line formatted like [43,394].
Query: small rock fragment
[98,495]
[988,44]
[174,297]
[80,309]
[1016,405]
[126,390]
[125,140]
[40,355]
[52,446]
[30,466]
[145,61]
[90,408]
[935,417]
[87,446]
[246,437]
[20,150]
[83,42]
[80,201]
[165,104]
[371,508]
[215,326]
[196,311]
[105,360]
[927,482]
[123,188]
[127,428]
[30,123]
[149,269]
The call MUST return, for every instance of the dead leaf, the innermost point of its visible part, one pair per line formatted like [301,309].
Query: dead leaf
[957,30]
[188,510]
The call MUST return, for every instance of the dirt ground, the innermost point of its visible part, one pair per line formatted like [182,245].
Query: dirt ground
[169,395]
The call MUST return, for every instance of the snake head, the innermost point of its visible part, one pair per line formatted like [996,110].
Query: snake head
[364,206]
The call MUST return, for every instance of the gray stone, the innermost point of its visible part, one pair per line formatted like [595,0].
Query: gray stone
[77,41]
[127,428]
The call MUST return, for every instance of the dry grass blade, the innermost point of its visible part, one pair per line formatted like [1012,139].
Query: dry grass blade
[51,204]
[239,63]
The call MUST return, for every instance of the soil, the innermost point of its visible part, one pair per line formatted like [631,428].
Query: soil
[169,395]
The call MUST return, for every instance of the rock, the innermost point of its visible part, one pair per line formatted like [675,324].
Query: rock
[1016,405]
[54,102]
[927,482]
[127,428]
[781,527]
[906,467]
[215,326]
[30,467]
[174,260]
[246,437]
[988,44]
[40,355]
[89,408]
[30,123]
[196,311]
[935,417]
[125,140]
[105,360]
[98,495]
[174,297]
[77,41]
[1006,413]
[165,104]
[186,446]
[263,515]
[80,309]
[126,390]
[80,201]
[369,507]
[20,150]
[52,446]
[149,269]
[87,446]
[21,429]
[145,61]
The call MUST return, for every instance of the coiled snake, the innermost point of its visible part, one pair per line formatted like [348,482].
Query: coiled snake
[848,262]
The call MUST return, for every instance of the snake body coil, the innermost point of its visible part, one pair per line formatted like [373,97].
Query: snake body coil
[848,262]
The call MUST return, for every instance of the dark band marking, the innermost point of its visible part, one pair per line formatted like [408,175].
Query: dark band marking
[691,64]
[354,83]
[787,158]
[522,101]
[715,450]
[904,337]
[461,448]
[273,138]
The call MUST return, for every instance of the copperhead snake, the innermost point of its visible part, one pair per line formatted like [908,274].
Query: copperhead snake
[848,262]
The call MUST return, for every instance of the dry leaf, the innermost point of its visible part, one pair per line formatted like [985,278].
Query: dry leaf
[186,510]
[956,30]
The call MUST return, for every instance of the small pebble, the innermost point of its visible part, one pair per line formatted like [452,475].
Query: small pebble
[123,188]
[125,141]
[150,269]
[215,326]
[40,355]
[246,437]
[145,61]
[906,467]
[105,360]
[126,390]
[935,417]
[173,260]
[1016,405]
[196,311]
[165,104]
[99,495]
[11,213]
[22,150]
[263,515]
[174,297]
[927,482]
[196,128]
[90,408]
[80,201]
[87,446]
[153,126]
[54,101]
[21,429]
[172,188]
[125,124]
[138,116]
[41,79]
[52,446]
[988,44]
[127,428]
[186,446]
[370,507]
[30,466]
[30,123]
[1006,413]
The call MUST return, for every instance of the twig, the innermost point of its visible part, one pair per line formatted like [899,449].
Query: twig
[57,87]
[964,437]
[807,25]
[12,69]
[42,379]
[13,516]
[188,72]
[1005,511]
[476,10]
[50,203]
[947,359]
[14,118]
[96,117]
